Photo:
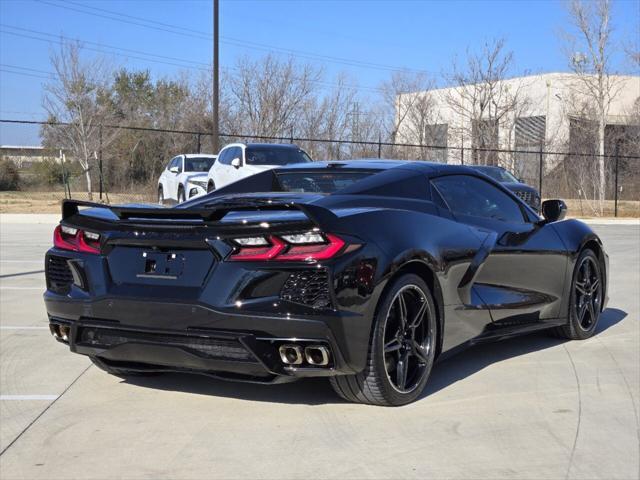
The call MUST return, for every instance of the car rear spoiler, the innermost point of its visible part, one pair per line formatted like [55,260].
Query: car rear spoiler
[214,213]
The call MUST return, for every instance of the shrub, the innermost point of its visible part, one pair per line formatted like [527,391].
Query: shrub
[9,176]
[48,172]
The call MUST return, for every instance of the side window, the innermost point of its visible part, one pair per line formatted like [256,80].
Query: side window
[179,164]
[224,158]
[236,153]
[172,163]
[472,196]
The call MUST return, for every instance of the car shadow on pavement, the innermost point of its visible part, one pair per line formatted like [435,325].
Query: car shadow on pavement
[474,359]
[316,391]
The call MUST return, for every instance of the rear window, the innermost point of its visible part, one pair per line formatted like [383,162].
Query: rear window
[198,164]
[318,182]
[275,156]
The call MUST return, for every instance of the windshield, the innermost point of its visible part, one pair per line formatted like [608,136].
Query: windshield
[318,182]
[275,155]
[198,164]
[498,174]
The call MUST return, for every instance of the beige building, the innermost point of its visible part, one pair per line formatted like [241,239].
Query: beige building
[25,156]
[547,111]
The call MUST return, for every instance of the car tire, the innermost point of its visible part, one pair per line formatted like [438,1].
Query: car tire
[585,298]
[211,186]
[160,196]
[119,372]
[181,197]
[380,383]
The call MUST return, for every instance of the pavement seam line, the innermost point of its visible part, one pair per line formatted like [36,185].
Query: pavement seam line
[575,439]
[44,411]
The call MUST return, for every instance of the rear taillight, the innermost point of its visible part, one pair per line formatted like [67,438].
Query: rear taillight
[307,247]
[69,238]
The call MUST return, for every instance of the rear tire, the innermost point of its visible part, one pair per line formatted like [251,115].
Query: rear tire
[119,372]
[401,353]
[585,300]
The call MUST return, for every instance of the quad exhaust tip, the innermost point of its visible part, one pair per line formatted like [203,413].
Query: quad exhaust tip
[317,355]
[291,354]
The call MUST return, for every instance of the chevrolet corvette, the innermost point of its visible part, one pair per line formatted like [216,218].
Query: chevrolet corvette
[365,272]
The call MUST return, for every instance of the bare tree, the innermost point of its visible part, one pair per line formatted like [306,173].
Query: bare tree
[76,97]
[589,49]
[482,99]
[403,103]
[268,95]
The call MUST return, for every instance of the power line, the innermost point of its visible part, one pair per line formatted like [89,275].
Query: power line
[178,30]
[26,74]
[187,64]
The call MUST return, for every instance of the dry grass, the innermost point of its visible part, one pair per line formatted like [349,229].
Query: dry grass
[49,202]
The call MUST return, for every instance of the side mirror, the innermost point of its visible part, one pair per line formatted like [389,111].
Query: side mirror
[174,170]
[236,162]
[553,210]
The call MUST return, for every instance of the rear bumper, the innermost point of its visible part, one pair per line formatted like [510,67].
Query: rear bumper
[163,336]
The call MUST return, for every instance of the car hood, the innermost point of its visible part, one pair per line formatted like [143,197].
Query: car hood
[199,177]
[519,187]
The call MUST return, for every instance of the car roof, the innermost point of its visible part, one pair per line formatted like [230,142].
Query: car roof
[199,155]
[253,145]
[487,167]
[431,169]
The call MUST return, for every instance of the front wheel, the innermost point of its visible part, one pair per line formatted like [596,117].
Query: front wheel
[181,197]
[402,348]
[160,196]
[585,300]
[211,186]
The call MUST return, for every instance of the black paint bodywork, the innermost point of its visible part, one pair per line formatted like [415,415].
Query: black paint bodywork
[490,279]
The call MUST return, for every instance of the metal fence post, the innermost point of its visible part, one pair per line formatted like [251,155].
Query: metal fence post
[615,198]
[291,136]
[462,155]
[199,142]
[540,171]
[379,145]
[100,158]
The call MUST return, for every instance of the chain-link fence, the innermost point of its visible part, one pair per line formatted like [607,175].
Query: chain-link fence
[124,167]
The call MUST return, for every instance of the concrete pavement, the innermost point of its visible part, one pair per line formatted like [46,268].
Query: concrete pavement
[532,407]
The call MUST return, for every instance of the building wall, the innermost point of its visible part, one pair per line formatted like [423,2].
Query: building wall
[552,96]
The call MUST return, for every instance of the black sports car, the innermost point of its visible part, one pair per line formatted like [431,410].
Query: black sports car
[365,272]
[530,195]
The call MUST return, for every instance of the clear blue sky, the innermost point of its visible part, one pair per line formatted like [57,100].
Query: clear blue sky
[361,38]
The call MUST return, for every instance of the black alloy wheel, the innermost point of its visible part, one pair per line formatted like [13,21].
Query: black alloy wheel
[402,348]
[586,297]
[406,339]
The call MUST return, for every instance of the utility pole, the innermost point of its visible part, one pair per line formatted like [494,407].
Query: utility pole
[216,77]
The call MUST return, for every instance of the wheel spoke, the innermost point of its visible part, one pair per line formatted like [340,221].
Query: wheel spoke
[392,346]
[582,311]
[402,312]
[592,311]
[418,351]
[587,272]
[594,285]
[417,319]
[402,369]
[581,288]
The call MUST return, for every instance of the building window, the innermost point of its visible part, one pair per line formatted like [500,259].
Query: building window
[530,134]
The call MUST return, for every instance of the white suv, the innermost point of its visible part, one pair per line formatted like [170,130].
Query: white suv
[241,160]
[185,177]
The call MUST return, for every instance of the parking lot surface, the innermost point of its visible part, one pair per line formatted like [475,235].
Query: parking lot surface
[531,407]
